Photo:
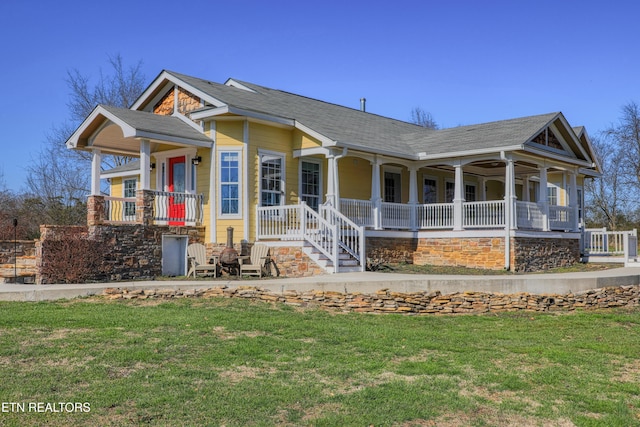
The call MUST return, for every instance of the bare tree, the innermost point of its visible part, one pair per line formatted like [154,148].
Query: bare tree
[423,118]
[59,179]
[606,202]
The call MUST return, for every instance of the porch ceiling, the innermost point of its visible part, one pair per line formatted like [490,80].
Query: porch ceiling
[119,131]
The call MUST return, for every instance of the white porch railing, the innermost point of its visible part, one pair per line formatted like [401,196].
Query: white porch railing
[529,216]
[434,216]
[600,241]
[350,235]
[396,215]
[489,214]
[358,211]
[120,210]
[178,208]
[327,235]
[560,217]
[475,215]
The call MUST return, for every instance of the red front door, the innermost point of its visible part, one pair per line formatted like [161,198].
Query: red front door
[177,180]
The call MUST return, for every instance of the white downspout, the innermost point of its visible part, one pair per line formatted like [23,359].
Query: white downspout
[507,211]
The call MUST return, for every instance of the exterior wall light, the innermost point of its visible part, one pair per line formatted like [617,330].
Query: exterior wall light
[196,160]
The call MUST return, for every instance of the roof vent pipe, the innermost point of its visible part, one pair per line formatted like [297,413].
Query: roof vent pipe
[363,104]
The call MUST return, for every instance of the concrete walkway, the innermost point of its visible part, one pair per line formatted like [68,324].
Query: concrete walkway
[366,282]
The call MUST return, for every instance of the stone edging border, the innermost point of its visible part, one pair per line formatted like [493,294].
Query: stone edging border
[415,303]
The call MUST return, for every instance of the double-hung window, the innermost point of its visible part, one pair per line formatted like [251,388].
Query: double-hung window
[430,190]
[129,191]
[310,181]
[229,182]
[271,179]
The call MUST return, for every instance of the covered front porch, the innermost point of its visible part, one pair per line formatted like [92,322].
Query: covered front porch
[514,191]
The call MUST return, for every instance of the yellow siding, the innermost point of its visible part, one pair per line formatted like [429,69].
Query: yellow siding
[238,230]
[355,178]
[230,133]
[116,187]
[302,140]
[276,140]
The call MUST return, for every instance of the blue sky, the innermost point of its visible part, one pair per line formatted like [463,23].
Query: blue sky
[463,61]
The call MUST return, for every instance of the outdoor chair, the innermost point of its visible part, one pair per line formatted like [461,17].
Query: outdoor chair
[198,261]
[255,264]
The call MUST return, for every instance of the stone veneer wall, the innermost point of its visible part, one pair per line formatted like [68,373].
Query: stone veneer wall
[472,252]
[10,248]
[133,252]
[288,261]
[127,252]
[391,250]
[415,303]
[462,252]
[529,254]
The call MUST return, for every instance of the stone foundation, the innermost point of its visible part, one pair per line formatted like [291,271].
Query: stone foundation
[528,254]
[539,254]
[391,250]
[480,252]
[103,253]
[416,303]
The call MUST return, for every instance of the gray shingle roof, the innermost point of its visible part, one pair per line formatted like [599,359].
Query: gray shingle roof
[354,128]
[342,124]
[485,136]
[157,124]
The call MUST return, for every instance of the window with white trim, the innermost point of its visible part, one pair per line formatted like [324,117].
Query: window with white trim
[429,190]
[449,191]
[229,182]
[129,191]
[271,179]
[552,195]
[469,192]
[310,183]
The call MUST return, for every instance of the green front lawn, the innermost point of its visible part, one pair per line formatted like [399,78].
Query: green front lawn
[238,363]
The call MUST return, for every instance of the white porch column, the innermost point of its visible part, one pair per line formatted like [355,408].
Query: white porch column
[376,198]
[482,182]
[145,162]
[413,196]
[458,198]
[96,161]
[573,200]
[510,196]
[542,198]
[526,189]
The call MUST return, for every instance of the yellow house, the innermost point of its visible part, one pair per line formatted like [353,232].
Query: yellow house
[340,184]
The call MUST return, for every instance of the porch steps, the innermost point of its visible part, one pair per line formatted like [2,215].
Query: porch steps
[23,271]
[346,261]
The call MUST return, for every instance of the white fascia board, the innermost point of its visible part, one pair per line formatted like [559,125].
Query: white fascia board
[169,138]
[549,155]
[210,112]
[481,151]
[590,172]
[394,154]
[132,173]
[127,130]
[310,152]
[233,83]
[317,135]
[226,109]
[160,80]
[187,121]
[574,137]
